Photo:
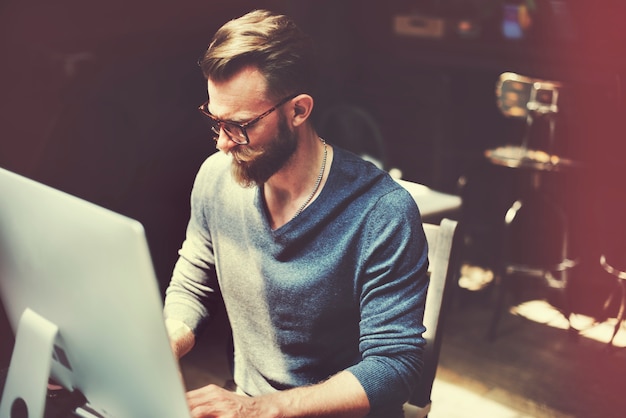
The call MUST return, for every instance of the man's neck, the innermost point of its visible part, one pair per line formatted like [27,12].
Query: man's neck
[299,182]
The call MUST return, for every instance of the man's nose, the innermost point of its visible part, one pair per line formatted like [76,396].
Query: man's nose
[224,143]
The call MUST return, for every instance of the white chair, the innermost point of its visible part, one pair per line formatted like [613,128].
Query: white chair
[433,205]
[441,243]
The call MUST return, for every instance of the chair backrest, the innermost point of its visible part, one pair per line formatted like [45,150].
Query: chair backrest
[441,240]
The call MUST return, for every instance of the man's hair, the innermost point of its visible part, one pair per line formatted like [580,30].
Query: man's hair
[267,41]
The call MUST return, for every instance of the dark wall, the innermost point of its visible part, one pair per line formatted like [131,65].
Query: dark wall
[99,100]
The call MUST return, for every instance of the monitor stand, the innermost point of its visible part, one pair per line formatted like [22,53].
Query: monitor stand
[26,386]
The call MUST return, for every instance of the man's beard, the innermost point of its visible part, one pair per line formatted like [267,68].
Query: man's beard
[252,167]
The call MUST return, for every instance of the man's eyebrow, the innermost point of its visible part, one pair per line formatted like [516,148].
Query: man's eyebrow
[235,121]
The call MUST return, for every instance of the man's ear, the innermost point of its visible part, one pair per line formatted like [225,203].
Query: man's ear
[302,108]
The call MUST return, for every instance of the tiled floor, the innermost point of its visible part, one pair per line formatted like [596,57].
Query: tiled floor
[455,396]
[535,367]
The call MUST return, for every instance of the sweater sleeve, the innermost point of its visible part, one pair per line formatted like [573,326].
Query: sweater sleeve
[393,289]
[193,290]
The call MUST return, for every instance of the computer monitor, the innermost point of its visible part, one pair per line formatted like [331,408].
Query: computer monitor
[79,288]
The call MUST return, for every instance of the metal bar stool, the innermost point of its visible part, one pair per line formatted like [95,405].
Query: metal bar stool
[535,235]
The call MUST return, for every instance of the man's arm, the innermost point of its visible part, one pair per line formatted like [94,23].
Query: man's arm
[182,338]
[340,396]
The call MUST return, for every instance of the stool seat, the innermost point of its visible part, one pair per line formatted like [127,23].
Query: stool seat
[514,156]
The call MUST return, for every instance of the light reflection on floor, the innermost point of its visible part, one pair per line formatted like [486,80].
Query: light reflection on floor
[542,312]
[455,396]
[452,401]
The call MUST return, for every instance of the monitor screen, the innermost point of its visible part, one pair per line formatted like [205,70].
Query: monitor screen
[87,272]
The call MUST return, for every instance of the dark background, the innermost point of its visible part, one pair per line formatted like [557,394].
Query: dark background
[99,100]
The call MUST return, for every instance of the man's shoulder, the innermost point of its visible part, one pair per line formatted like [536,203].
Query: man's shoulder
[213,175]
[215,166]
[367,181]
[354,169]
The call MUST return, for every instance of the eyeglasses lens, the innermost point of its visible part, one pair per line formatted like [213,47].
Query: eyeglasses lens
[233,131]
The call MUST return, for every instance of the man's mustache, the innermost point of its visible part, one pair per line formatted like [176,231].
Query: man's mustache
[244,154]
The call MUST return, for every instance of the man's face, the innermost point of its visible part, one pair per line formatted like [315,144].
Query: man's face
[272,141]
[255,165]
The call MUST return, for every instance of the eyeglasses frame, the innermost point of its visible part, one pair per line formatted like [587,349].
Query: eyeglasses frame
[204,109]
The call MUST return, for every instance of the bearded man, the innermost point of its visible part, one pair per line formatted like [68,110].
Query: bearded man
[319,256]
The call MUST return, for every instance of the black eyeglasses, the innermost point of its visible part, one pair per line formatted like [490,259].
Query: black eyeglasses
[237,132]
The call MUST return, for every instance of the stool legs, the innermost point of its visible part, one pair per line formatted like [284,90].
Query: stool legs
[621,313]
[553,270]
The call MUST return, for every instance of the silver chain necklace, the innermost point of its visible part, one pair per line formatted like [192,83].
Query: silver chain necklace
[317,182]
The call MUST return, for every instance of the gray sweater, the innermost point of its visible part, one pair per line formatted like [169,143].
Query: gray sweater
[340,287]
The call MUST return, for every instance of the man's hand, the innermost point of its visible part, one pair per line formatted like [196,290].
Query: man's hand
[214,402]
[340,396]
